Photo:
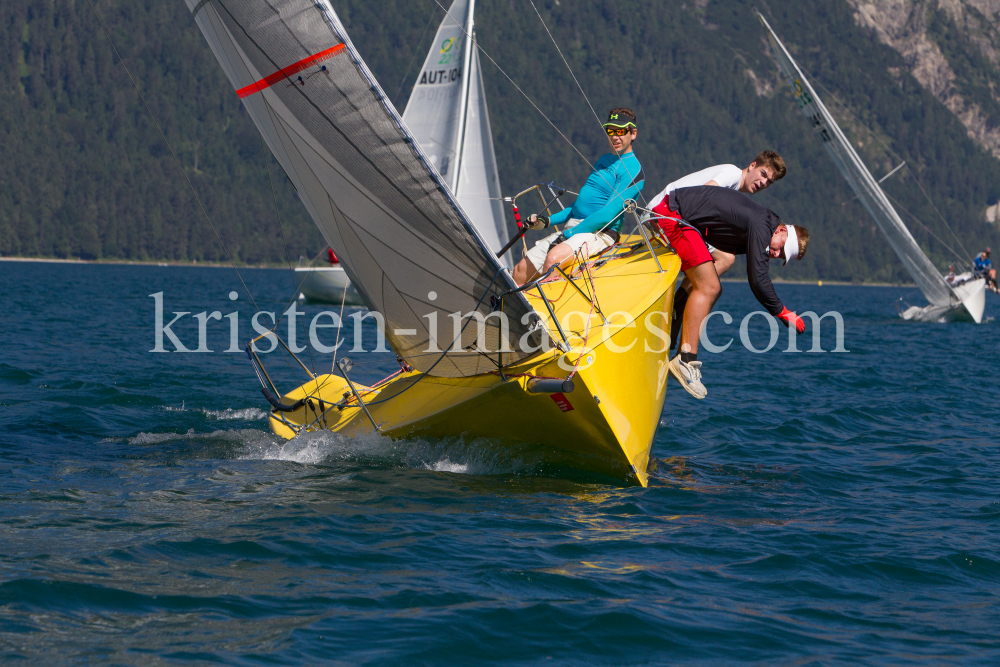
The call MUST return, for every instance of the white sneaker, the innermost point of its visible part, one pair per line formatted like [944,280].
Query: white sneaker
[689,376]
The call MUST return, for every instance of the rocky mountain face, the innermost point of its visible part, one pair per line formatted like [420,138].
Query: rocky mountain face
[952,47]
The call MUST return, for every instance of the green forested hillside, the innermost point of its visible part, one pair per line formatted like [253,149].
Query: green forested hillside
[84,173]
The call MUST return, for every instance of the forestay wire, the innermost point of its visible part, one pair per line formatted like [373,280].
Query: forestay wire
[925,227]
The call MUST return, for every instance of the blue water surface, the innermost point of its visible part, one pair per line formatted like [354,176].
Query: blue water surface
[815,509]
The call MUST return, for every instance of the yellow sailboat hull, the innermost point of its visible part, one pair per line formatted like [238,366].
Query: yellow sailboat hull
[605,425]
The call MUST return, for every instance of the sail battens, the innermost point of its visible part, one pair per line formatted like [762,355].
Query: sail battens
[860,179]
[286,72]
[402,236]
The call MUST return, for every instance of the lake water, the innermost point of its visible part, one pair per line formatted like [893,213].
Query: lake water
[815,509]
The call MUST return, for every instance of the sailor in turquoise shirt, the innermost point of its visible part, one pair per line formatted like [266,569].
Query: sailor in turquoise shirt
[614,180]
[617,177]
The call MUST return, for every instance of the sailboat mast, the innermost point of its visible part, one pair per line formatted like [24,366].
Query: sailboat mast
[463,111]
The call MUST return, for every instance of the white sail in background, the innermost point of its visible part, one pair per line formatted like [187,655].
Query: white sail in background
[406,244]
[478,179]
[447,115]
[923,272]
[435,113]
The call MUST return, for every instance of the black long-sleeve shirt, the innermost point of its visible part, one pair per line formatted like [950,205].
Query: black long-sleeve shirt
[733,222]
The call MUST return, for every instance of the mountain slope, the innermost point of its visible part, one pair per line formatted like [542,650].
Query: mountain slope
[84,172]
[952,47]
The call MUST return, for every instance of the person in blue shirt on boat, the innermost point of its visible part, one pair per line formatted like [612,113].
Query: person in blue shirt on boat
[984,267]
[593,221]
[982,261]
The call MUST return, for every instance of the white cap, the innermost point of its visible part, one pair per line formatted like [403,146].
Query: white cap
[791,244]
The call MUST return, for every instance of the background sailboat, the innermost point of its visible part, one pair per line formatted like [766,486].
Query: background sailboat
[963,301]
[448,116]
[323,280]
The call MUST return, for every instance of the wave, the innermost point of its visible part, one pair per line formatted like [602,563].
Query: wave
[236,436]
[450,455]
[245,414]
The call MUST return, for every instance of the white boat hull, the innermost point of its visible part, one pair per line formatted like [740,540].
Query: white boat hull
[973,303]
[326,284]
[973,296]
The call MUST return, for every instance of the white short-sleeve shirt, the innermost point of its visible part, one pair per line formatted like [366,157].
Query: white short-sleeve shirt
[726,175]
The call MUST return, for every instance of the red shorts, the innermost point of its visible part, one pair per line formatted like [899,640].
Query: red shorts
[686,240]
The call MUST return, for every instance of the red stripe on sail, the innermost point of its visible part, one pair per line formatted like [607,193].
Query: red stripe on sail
[286,72]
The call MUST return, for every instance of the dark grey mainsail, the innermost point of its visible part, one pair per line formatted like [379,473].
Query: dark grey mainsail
[403,239]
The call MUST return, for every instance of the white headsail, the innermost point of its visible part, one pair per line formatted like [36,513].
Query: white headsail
[407,245]
[923,272]
[447,115]
[478,179]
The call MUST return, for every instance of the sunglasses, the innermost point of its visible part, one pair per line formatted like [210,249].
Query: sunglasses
[617,131]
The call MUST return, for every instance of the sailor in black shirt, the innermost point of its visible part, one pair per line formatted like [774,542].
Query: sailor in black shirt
[734,223]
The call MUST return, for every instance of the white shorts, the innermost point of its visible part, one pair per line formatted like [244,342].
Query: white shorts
[596,243]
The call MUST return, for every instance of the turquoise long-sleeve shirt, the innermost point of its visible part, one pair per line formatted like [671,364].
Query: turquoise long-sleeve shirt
[614,180]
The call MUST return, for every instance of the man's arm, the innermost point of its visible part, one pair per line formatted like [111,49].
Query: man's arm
[597,220]
[562,216]
[758,263]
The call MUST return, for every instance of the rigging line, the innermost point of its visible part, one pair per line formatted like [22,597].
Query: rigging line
[929,201]
[912,175]
[524,94]
[172,153]
[416,52]
[340,318]
[281,227]
[530,101]
[565,62]
[898,157]
[925,228]
[577,82]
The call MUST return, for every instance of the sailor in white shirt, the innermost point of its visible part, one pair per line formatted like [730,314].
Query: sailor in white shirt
[765,169]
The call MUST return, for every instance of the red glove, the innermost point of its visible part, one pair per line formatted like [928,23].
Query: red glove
[789,318]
